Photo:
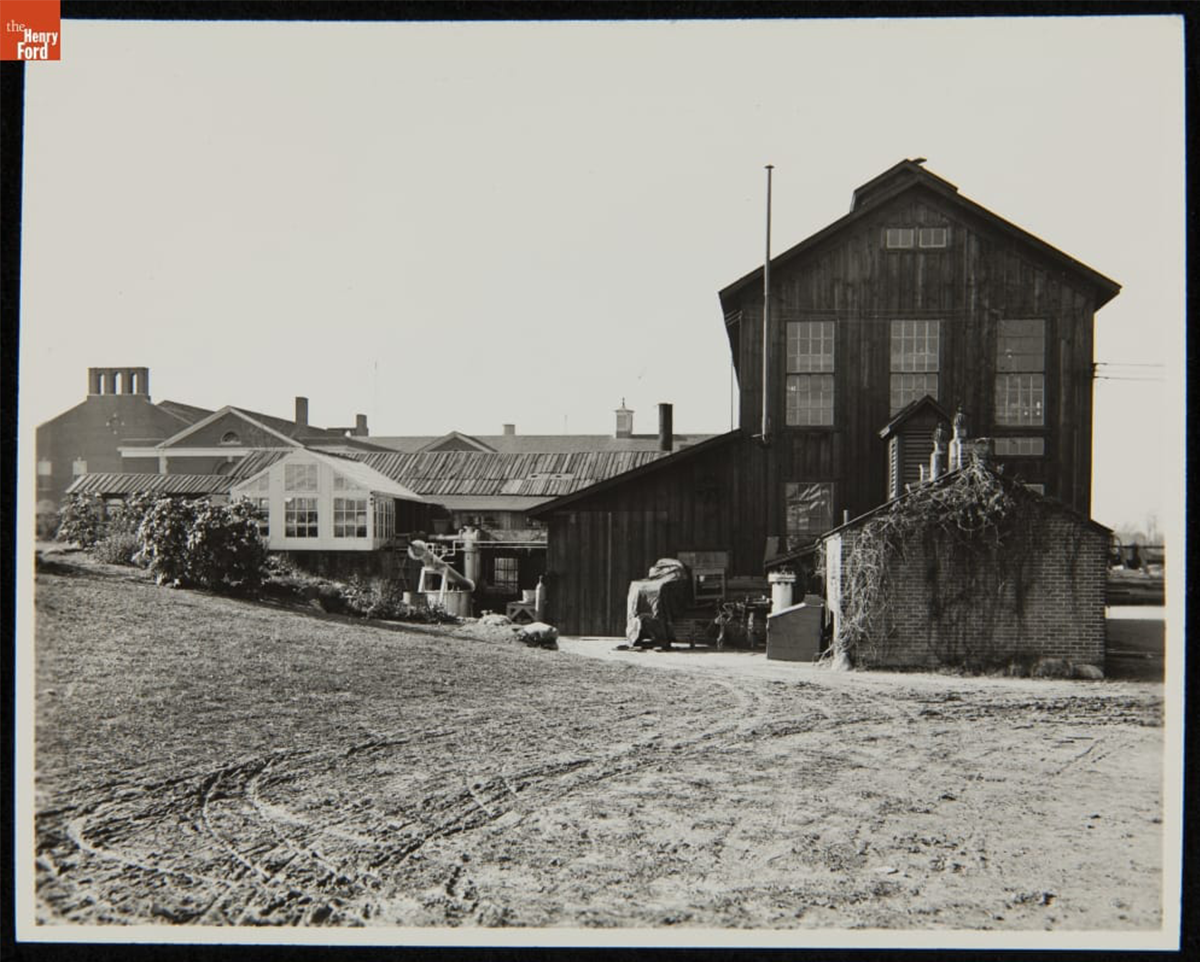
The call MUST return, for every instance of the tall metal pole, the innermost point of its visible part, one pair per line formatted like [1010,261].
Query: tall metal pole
[766,324]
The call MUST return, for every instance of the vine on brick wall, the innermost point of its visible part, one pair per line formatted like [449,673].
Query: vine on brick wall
[980,542]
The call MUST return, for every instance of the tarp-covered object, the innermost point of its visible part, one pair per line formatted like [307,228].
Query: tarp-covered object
[655,602]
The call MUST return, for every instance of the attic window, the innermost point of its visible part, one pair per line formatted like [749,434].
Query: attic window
[899,238]
[932,237]
[230,437]
[552,476]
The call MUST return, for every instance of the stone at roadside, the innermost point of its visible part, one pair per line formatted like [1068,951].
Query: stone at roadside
[539,635]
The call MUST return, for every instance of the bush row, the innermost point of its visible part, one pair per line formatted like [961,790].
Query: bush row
[218,547]
[182,543]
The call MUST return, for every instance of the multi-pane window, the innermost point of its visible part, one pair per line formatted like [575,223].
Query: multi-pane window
[78,467]
[899,237]
[1020,447]
[300,517]
[385,519]
[931,237]
[262,514]
[1020,372]
[300,477]
[349,517]
[809,373]
[808,510]
[505,576]
[914,361]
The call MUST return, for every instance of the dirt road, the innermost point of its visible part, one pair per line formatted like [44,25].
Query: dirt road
[208,761]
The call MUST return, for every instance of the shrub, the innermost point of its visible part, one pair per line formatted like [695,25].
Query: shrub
[117,548]
[377,598]
[81,519]
[224,550]
[125,517]
[197,543]
[163,536]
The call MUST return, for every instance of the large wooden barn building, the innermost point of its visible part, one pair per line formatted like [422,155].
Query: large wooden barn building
[916,303]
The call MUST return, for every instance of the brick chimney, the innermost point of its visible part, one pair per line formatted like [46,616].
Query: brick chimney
[510,430]
[666,427]
[119,380]
[360,426]
[624,421]
[301,412]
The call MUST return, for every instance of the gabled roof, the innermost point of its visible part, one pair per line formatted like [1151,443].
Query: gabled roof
[174,439]
[905,176]
[667,460]
[457,437]
[185,412]
[197,417]
[925,403]
[544,443]
[436,474]
[353,470]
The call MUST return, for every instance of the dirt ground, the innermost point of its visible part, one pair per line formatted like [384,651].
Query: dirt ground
[210,761]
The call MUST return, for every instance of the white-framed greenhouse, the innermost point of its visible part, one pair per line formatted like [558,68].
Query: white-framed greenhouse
[317,502]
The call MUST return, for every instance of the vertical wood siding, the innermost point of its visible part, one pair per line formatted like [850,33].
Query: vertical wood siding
[979,278]
[731,497]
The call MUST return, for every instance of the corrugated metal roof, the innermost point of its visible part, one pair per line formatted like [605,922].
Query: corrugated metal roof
[472,473]
[368,477]
[118,483]
[354,470]
[255,462]
[457,479]
[543,443]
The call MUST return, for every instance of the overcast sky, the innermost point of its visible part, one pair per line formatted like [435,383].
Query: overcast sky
[455,226]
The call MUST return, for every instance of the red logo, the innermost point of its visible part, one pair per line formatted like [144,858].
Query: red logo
[30,30]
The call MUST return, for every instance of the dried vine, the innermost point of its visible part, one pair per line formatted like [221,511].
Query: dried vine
[980,542]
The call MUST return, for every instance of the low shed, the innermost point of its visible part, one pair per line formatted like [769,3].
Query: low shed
[972,570]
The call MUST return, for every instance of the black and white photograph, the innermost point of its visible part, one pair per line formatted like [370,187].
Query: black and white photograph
[607,482]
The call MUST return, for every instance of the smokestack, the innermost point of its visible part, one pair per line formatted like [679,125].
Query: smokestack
[301,412]
[666,428]
[360,425]
[510,430]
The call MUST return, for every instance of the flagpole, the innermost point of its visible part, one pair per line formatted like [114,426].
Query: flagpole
[766,324]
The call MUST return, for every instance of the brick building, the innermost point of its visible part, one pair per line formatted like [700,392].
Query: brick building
[1043,599]
[88,437]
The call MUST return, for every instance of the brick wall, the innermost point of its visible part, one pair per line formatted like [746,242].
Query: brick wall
[1061,613]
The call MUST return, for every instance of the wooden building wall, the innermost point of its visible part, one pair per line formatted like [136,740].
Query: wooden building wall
[700,502]
[979,278]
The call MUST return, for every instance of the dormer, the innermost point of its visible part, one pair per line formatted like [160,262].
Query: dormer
[909,437]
